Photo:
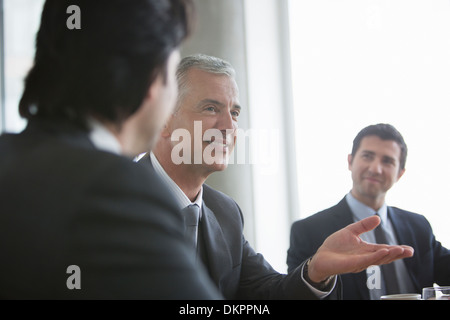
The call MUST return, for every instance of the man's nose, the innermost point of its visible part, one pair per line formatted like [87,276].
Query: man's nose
[227,123]
[376,167]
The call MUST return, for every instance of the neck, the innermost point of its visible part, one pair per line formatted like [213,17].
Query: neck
[105,136]
[125,138]
[372,202]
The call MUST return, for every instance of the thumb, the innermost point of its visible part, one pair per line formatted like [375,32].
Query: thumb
[364,225]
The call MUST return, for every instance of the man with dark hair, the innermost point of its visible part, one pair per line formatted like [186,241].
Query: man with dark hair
[78,218]
[377,161]
[385,132]
[208,101]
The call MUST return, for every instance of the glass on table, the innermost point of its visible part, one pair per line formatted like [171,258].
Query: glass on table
[403,296]
[436,293]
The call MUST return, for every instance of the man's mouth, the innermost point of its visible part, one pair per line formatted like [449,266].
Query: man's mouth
[372,179]
[221,143]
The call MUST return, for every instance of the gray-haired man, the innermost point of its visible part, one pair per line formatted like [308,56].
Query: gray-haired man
[209,96]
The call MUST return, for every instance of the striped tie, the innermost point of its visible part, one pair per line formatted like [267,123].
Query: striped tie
[191,217]
[388,270]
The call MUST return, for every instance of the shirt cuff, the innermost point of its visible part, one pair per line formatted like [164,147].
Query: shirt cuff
[319,293]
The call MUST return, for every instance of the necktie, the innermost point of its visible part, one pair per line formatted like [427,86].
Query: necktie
[191,217]
[388,270]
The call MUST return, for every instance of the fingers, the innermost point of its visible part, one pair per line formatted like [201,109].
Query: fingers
[371,223]
[364,225]
[383,253]
[401,252]
[393,253]
[409,251]
[375,258]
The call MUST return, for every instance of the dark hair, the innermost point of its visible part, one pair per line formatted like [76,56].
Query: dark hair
[384,132]
[106,67]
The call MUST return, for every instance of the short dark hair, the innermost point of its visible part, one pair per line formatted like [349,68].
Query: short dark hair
[384,132]
[106,67]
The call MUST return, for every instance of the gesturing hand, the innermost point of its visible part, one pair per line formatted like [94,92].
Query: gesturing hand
[345,252]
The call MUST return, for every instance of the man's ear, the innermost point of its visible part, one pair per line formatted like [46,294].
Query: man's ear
[166,131]
[350,160]
[400,173]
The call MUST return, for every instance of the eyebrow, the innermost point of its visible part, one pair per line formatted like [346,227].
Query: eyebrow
[373,153]
[389,158]
[220,104]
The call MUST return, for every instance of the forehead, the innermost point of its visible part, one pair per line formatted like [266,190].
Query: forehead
[204,84]
[379,146]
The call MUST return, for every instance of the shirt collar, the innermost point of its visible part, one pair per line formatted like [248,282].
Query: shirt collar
[102,138]
[182,199]
[361,211]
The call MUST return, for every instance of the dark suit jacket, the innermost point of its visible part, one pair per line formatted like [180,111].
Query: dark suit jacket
[65,203]
[430,263]
[238,271]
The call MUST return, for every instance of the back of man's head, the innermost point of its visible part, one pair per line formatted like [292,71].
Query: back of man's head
[105,67]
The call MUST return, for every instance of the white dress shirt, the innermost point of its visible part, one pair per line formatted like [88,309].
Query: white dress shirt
[182,200]
[102,138]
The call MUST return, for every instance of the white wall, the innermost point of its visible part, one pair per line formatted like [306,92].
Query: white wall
[21,22]
[270,104]
[360,62]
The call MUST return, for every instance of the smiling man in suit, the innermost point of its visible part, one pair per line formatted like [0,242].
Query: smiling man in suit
[208,108]
[377,162]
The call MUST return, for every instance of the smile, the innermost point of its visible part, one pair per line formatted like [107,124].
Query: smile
[373,180]
[221,143]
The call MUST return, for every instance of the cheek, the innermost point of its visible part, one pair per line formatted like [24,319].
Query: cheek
[391,179]
[356,171]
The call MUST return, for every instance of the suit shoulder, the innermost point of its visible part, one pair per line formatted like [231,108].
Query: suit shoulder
[210,193]
[319,217]
[412,216]
[397,210]
[220,203]
[208,190]
[137,178]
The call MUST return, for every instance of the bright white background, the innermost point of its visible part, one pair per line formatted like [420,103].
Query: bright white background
[22,19]
[361,62]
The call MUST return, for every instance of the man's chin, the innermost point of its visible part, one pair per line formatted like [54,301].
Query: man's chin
[215,165]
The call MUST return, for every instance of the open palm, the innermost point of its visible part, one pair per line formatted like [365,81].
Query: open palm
[345,252]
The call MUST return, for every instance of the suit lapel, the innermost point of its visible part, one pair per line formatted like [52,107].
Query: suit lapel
[343,215]
[404,236]
[402,232]
[217,255]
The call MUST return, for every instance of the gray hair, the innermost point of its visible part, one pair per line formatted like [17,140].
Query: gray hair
[203,62]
